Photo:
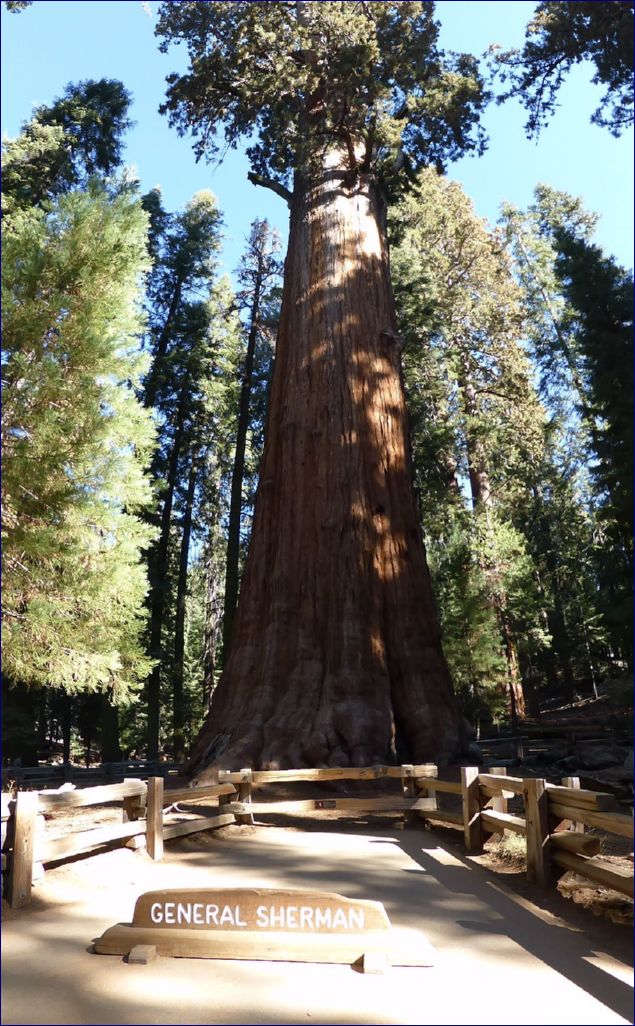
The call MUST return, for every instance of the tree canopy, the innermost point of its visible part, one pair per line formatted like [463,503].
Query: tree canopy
[601,321]
[64,144]
[302,77]
[75,442]
[561,35]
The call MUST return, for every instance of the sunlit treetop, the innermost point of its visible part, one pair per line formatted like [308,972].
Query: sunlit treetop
[296,79]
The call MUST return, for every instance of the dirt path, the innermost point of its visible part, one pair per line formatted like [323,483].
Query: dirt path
[501,959]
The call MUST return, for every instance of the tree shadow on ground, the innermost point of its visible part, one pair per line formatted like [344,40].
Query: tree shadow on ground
[566,940]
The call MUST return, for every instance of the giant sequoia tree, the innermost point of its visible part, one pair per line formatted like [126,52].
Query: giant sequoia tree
[336,656]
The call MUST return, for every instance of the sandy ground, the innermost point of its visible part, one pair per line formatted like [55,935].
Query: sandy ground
[500,957]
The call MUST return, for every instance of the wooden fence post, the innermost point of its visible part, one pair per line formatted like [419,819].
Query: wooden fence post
[7,803]
[21,872]
[537,819]
[132,805]
[499,804]
[573,782]
[408,789]
[244,794]
[471,808]
[154,818]
[424,789]
[39,840]
[223,799]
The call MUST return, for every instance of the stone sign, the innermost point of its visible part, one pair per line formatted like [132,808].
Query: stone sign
[275,924]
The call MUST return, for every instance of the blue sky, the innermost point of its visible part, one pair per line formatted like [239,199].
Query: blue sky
[58,41]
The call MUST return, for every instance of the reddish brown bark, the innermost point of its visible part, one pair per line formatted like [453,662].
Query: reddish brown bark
[336,656]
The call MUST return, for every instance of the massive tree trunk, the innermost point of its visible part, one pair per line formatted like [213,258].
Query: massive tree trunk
[336,656]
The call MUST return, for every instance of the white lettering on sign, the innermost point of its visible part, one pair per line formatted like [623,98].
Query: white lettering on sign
[323,918]
[185,912]
[303,917]
[268,917]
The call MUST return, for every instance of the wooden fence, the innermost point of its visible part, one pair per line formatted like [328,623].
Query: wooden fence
[553,823]
[66,773]
[534,737]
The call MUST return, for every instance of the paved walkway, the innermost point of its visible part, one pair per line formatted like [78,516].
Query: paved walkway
[500,959]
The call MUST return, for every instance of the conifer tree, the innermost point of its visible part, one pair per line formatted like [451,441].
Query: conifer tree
[184,248]
[558,266]
[199,371]
[600,294]
[559,529]
[76,443]
[335,655]
[530,236]
[258,272]
[477,427]
[204,502]
[62,146]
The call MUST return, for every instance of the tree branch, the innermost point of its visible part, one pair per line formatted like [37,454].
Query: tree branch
[270,183]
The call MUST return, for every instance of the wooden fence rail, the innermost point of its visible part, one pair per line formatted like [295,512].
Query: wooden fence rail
[66,773]
[555,816]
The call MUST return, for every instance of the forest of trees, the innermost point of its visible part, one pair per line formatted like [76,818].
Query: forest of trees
[343,510]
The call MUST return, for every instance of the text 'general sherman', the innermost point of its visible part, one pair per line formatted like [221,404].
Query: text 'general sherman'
[262,917]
